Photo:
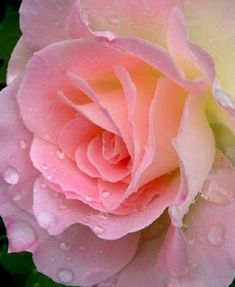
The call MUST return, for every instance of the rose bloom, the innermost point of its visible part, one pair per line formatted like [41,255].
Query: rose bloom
[117,142]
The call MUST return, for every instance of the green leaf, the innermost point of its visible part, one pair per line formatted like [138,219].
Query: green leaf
[9,34]
[15,262]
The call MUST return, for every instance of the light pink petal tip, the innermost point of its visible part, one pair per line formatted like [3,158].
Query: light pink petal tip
[44,22]
[79,257]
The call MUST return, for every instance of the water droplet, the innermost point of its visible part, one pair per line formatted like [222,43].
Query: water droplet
[231,262]
[44,167]
[113,19]
[65,275]
[106,284]
[60,154]
[16,196]
[46,219]
[212,191]
[22,144]
[21,235]
[62,205]
[88,198]
[11,175]
[100,251]
[52,259]
[191,241]
[49,177]
[103,216]
[215,235]
[43,184]
[139,207]
[82,247]
[106,193]
[98,229]
[230,151]
[68,258]
[64,246]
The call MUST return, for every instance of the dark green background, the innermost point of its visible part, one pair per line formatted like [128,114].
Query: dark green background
[17,270]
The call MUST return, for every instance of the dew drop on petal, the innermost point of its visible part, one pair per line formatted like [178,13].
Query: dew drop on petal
[44,167]
[21,235]
[11,175]
[81,247]
[65,275]
[16,196]
[60,154]
[98,229]
[22,144]
[88,198]
[106,193]
[215,235]
[46,219]
[64,246]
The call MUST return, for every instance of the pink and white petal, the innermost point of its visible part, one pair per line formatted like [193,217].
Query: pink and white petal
[215,238]
[139,87]
[22,231]
[83,162]
[162,260]
[164,121]
[18,60]
[75,132]
[110,101]
[79,257]
[51,66]
[63,172]
[109,172]
[143,268]
[195,134]
[143,19]
[15,166]
[44,22]
[56,213]
[219,27]
[157,57]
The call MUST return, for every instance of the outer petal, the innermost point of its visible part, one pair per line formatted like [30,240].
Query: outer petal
[15,165]
[215,34]
[18,60]
[215,237]
[196,149]
[44,22]
[55,213]
[146,19]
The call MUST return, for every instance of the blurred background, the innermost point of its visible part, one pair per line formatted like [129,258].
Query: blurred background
[16,270]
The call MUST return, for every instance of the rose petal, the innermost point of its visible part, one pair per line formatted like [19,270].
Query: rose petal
[219,27]
[65,212]
[18,60]
[15,166]
[44,22]
[61,171]
[146,20]
[194,133]
[78,257]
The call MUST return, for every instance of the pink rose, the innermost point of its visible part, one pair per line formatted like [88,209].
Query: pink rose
[117,142]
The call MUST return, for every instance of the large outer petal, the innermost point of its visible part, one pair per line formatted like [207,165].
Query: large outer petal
[146,19]
[214,238]
[196,150]
[18,60]
[83,257]
[211,26]
[44,22]
[56,213]
[15,140]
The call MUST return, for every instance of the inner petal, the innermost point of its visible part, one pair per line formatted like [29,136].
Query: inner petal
[108,171]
